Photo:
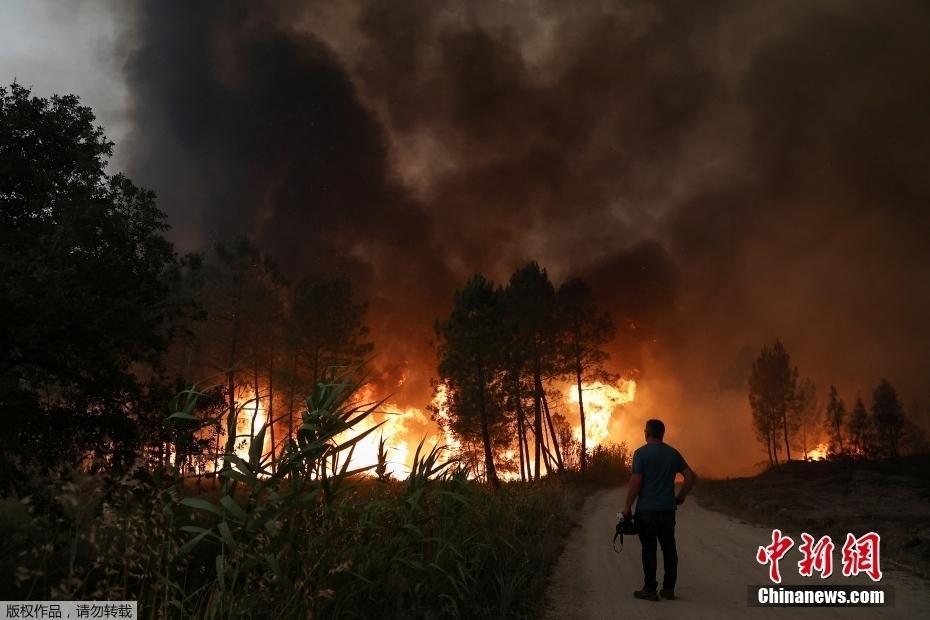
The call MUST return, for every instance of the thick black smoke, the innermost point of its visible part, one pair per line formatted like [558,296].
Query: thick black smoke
[724,173]
[244,126]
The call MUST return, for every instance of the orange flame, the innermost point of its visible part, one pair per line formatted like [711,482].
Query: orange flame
[818,453]
[397,429]
[403,427]
[252,417]
[600,400]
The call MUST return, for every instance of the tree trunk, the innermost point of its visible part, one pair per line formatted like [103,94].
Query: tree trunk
[584,439]
[524,463]
[486,431]
[524,428]
[784,423]
[271,401]
[232,416]
[256,405]
[546,454]
[555,439]
[839,437]
[537,424]
[526,444]
[290,397]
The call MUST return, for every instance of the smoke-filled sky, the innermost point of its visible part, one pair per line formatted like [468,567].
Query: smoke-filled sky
[722,172]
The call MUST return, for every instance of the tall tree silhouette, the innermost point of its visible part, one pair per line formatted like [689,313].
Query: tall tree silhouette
[586,328]
[87,287]
[324,328]
[468,347]
[772,387]
[836,414]
[859,430]
[328,325]
[888,418]
[805,412]
[530,303]
[239,300]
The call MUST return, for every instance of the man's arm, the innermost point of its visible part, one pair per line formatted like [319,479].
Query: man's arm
[690,477]
[636,484]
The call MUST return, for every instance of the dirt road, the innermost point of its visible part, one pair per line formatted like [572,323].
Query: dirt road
[716,563]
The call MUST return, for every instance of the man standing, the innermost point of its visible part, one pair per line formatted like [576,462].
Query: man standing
[653,482]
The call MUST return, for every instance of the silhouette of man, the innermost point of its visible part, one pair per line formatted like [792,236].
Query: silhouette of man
[653,484]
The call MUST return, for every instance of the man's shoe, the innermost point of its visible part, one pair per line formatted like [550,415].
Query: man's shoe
[647,595]
[667,594]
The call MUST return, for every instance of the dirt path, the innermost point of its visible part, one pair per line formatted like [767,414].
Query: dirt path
[716,563]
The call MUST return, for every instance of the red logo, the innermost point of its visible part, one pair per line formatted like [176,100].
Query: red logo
[773,553]
[817,556]
[859,555]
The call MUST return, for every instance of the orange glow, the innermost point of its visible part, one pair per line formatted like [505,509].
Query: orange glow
[600,401]
[249,408]
[403,427]
[818,453]
[441,404]
[398,427]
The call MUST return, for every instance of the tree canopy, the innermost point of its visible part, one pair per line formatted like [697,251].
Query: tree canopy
[772,390]
[499,352]
[87,282]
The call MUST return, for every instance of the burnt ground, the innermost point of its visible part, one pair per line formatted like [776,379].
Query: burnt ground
[836,497]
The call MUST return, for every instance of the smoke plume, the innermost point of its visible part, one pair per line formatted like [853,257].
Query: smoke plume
[723,173]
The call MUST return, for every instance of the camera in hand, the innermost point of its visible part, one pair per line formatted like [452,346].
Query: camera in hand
[627,526]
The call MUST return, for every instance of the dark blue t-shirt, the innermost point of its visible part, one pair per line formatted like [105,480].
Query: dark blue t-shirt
[658,463]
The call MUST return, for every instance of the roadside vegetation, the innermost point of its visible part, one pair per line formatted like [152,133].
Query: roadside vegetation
[240,498]
[311,539]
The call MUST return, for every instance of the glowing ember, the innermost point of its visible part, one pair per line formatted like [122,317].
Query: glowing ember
[818,453]
[600,399]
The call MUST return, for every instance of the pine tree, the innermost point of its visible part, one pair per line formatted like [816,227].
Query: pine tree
[530,306]
[836,414]
[805,411]
[772,388]
[586,328]
[859,430]
[888,418]
[468,346]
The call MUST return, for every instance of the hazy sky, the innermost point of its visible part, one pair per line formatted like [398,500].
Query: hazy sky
[67,47]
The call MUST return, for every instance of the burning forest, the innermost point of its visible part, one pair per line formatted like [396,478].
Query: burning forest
[357,309]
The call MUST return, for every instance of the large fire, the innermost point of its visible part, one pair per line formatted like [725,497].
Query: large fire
[398,428]
[817,453]
[252,416]
[402,428]
[600,400]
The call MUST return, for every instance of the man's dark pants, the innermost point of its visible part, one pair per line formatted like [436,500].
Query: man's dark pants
[658,525]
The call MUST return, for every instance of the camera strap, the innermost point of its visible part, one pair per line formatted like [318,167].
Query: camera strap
[618,534]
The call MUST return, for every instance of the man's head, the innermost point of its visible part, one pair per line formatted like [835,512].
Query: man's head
[655,430]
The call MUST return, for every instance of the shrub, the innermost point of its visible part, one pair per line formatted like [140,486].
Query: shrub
[312,538]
